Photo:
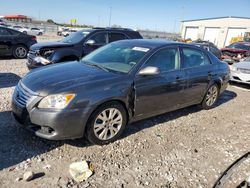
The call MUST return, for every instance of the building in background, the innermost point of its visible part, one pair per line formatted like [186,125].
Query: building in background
[218,30]
[17,18]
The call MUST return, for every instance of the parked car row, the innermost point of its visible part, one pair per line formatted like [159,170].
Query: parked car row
[30,31]
[118,78]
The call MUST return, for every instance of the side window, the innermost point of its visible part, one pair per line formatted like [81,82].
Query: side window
[116,36]
[194,58]
[13,32]
[4,32]
[213,50]
[165,59]
[99,38]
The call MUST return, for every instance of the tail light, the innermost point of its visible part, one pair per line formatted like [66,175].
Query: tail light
[33,38]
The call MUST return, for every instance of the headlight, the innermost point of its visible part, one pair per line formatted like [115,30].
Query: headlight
[42,60]
[59,101]
[48,53]
[233,68]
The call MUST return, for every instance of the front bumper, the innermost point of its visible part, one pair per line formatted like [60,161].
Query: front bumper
[237,76]
[52,124]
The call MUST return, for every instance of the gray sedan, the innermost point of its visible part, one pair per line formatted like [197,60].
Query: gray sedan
[240,72]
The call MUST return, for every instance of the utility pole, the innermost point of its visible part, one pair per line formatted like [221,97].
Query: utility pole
[39,14]
[174,26]
[110,16]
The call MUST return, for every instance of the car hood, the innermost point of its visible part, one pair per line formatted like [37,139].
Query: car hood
[242,65]
[42,45]
[234,50]
[64,77]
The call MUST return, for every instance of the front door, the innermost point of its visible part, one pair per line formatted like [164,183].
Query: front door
[163,92]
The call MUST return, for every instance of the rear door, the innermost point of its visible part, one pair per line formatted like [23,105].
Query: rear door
[199,71]
[160,93]
[5,41]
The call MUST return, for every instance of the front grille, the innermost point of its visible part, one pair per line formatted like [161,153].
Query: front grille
[23,95]
[245,71]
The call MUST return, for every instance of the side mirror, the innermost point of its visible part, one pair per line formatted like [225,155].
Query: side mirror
[90,42]
[149,71]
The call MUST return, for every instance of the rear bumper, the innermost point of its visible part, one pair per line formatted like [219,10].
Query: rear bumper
[51,124]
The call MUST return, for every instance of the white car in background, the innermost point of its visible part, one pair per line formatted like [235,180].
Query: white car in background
[240,72]
[29,31]
[68,32]
[33,31]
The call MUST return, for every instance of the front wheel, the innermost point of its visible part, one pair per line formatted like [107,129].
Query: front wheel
[107,123]
[20,51]
[211,97]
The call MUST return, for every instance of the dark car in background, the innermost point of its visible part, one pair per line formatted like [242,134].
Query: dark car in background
[122,82]
[209,46]
[76,45]
[13,42]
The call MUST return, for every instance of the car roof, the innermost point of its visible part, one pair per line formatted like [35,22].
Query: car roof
[155,43]
[108,29]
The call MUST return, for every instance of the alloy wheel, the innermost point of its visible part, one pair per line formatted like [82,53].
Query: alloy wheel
[20,52]
[211,95]
[108,123]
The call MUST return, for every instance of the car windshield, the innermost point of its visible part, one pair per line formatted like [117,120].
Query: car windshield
[75,37]
[239,46]
[116,57]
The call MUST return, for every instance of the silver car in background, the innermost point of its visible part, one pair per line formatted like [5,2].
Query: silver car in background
[240,72]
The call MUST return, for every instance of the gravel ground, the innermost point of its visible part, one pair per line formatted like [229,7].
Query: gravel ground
[186,148]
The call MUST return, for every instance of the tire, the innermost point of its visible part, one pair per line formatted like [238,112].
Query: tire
[100,133]
[25,32]
[20,51]
[40,33]
[210,97]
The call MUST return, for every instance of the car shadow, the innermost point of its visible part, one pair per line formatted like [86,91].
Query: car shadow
[240,85]
[8,80]
[133,128]
[6,57]
[17,144]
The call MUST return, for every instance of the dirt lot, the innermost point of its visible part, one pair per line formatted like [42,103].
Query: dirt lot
[186,148]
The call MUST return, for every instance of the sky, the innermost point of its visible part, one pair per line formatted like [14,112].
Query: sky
[161,15]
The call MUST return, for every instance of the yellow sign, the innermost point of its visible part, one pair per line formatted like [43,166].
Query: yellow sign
[73,21]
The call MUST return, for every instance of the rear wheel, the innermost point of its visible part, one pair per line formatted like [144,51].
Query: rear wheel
[20,51]
[211,97]
[107,123]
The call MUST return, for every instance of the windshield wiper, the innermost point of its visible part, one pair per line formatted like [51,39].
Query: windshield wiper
[98,66]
